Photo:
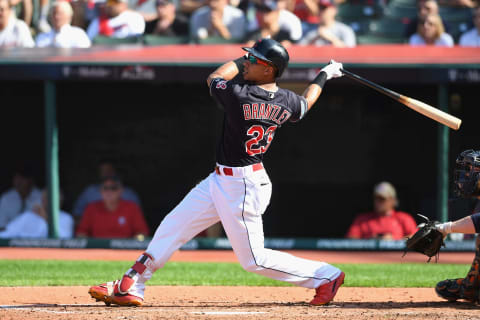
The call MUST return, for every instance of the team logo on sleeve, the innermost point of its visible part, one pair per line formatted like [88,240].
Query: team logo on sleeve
[221,85]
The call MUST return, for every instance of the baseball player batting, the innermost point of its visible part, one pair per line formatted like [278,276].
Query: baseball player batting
[238,191]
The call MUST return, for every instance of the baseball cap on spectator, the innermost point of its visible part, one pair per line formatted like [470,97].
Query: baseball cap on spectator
[326,3]
[385,190]
[266,5]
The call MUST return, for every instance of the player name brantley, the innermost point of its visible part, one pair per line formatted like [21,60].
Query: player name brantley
[264,111]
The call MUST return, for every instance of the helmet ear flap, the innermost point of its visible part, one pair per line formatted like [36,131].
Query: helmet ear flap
[271,51]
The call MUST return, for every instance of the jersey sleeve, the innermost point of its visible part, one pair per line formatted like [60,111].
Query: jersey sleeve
[299,107]
[222,91]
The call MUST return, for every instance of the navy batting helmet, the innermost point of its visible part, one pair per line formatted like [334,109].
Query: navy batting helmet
[467,174]
[270,51]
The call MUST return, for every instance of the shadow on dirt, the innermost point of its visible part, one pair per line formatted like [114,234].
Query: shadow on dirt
[388,305]
[404,305]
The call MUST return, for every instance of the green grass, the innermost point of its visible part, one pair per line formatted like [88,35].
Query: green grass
[63,273]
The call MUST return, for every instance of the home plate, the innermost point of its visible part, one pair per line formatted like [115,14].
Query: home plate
[233,313]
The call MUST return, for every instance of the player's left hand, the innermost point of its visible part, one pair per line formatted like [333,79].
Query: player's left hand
[333,69]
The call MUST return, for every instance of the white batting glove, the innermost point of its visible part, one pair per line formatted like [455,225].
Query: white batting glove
[333,70]
[444,228]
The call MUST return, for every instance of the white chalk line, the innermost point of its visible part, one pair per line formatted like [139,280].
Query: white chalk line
[43,307]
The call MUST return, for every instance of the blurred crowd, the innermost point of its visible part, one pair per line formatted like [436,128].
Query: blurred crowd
[340,23]
[106,208]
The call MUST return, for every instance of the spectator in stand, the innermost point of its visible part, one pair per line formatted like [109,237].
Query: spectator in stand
[34,223]
[217,19]
[92,193]
[13,32]
[287,21]
[430,31]
[112,217]
[21,197]
[460,3]
[167,22]
[42,24]
[188,7]
[472,38]
[424,8]
[23,10]
[330,31]
[268,16]
[117,21]
[145,7]
[384,222]
[63,34]
[307,11]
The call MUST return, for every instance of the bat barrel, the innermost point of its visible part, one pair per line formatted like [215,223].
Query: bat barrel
[423,108]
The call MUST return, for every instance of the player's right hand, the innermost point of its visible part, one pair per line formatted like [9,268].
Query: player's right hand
[333,69]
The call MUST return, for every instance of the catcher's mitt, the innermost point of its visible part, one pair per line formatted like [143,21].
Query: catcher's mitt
[426,240]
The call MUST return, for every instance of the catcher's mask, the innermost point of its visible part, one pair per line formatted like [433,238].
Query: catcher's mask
[467,174]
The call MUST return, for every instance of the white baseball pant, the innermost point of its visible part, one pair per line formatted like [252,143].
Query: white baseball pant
[237,201]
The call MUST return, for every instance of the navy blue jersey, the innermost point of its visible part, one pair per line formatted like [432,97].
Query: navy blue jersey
[252,115]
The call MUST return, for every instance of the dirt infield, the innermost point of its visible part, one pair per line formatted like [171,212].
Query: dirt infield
[179,302]
[232,303]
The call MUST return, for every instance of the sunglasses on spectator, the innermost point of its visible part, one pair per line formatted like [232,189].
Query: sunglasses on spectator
[110,188]
[254,60]
[379,198]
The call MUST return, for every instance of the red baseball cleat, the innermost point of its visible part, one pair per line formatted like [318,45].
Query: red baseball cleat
[108,293]
[325,293]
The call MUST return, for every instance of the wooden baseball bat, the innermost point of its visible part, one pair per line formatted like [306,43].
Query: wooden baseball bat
[419,106]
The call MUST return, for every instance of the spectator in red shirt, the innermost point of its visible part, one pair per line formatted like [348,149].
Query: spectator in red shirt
[112,217]
[384,222]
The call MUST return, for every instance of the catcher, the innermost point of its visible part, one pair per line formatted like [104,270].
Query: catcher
[466,184]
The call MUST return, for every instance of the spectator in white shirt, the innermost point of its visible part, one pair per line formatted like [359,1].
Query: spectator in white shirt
[34,223]
[13,32]
[472,38]
[63,35]
[21,197]
[217,19]
[430,31]
[117,21]
[270,24]
[330,31]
